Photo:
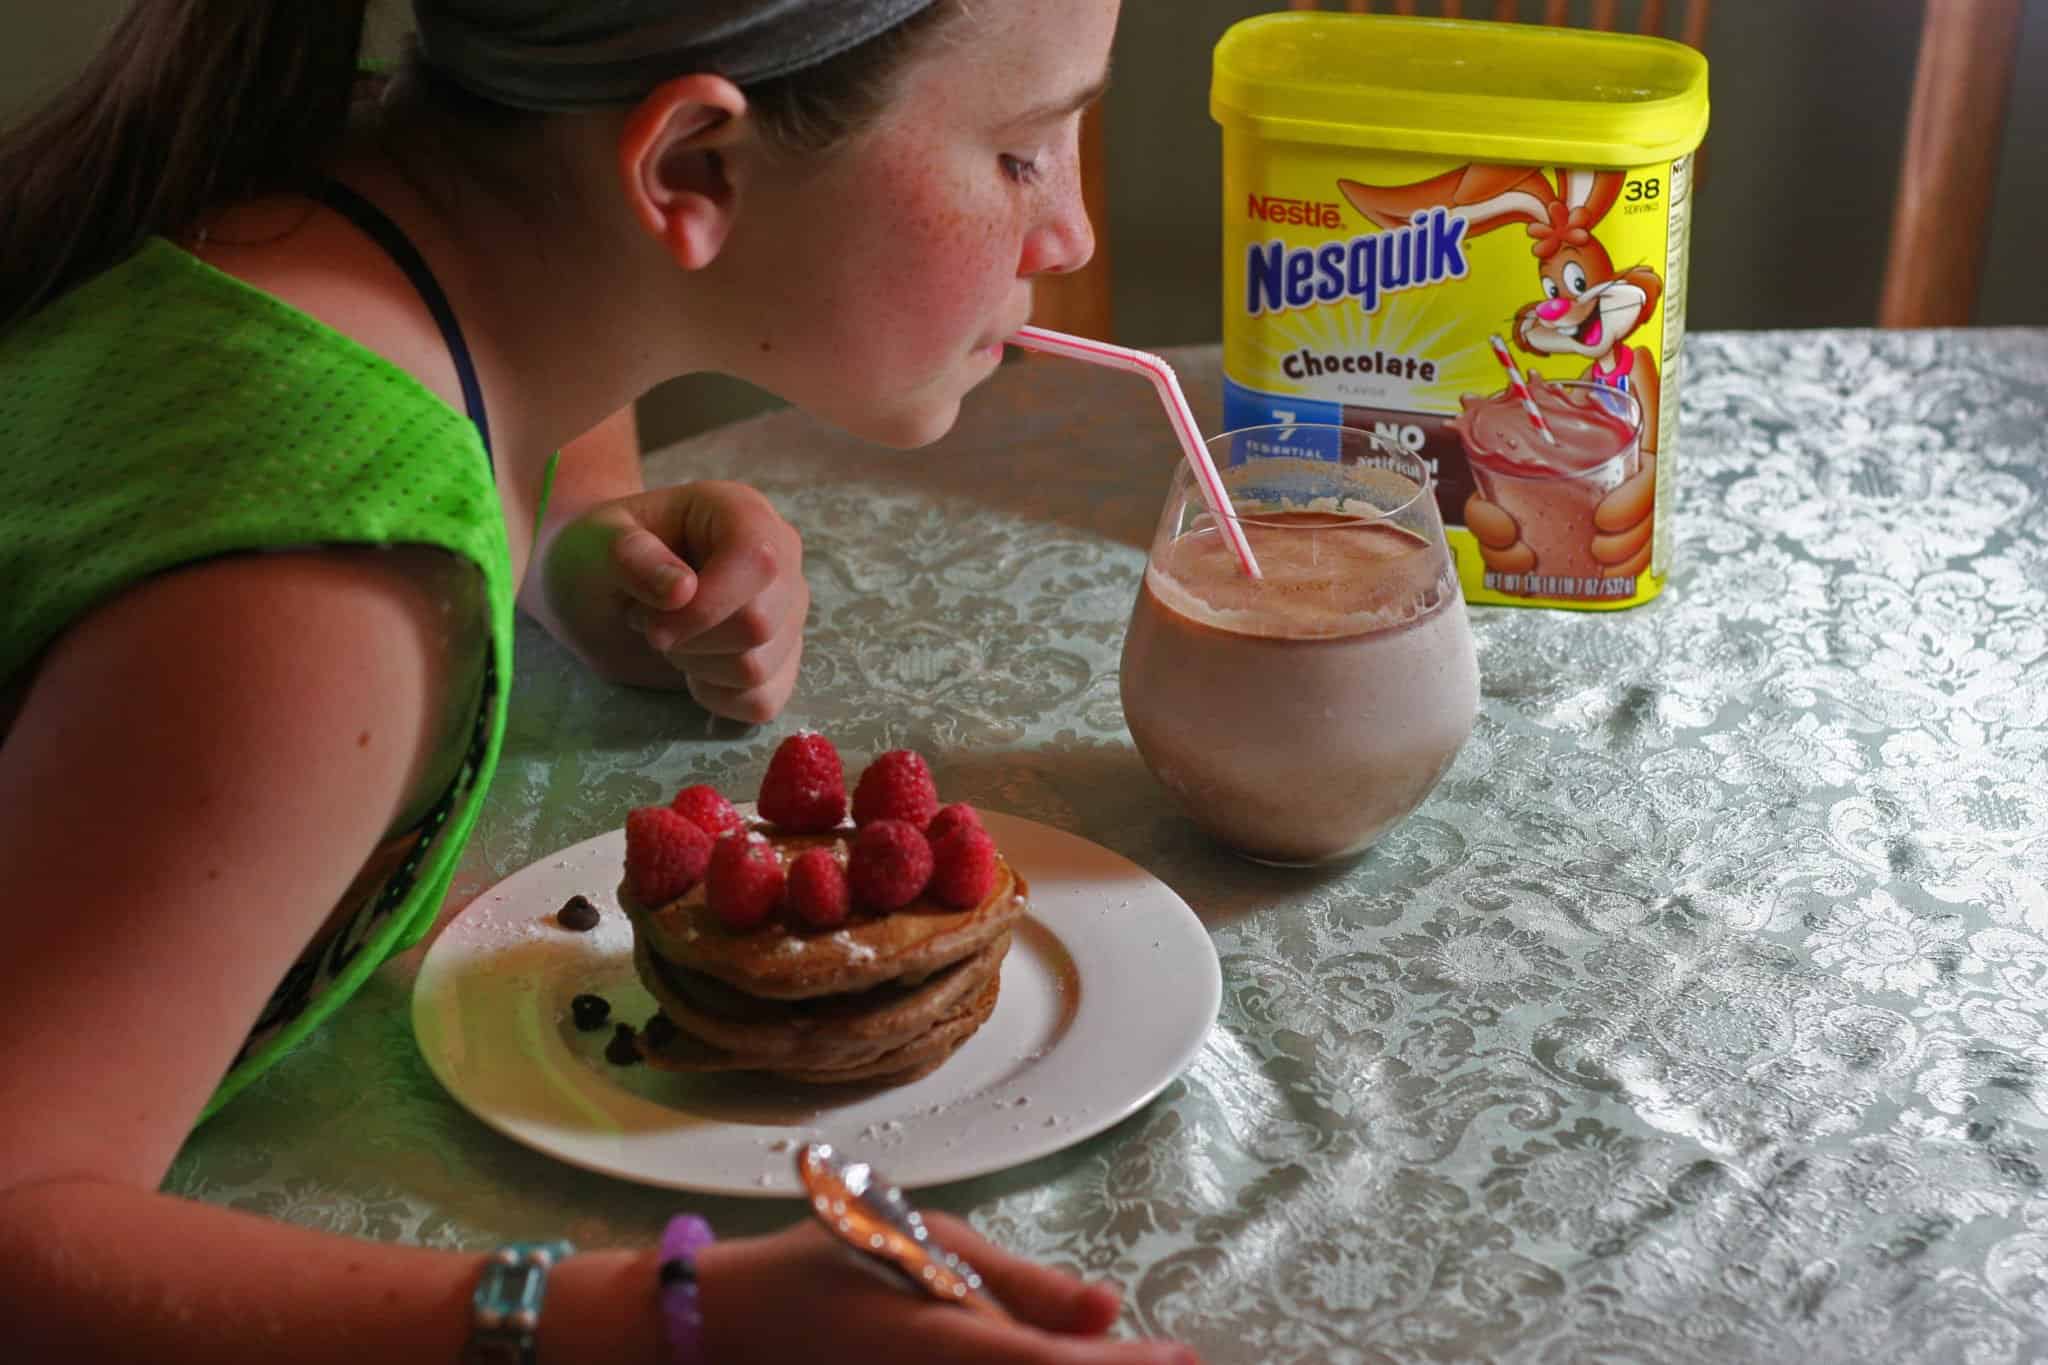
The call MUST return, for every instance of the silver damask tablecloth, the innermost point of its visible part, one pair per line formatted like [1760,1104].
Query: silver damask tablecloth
[1700,1015]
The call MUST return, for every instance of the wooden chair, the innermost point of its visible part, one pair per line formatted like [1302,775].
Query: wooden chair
[1941,217]
[1948,168]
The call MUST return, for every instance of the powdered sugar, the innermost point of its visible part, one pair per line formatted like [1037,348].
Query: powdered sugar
[855,952]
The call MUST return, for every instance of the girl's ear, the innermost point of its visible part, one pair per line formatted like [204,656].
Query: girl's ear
[675,168]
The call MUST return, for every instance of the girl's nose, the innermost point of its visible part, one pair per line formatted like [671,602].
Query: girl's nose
[1553,309]
[1062,239]
[1063,242]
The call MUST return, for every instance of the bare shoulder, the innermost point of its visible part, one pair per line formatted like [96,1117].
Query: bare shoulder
[197,772]
[305,255]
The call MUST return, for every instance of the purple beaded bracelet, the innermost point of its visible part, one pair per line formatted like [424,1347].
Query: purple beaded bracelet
[682,1319]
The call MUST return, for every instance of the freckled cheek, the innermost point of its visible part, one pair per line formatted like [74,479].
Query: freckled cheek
[951,269]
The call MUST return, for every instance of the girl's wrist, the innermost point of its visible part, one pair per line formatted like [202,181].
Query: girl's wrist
[604,1305]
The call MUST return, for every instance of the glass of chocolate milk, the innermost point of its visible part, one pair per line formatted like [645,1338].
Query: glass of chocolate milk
[1551,485]
[1298,716]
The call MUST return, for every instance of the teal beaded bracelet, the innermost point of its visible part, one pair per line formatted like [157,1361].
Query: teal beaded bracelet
[504,1312]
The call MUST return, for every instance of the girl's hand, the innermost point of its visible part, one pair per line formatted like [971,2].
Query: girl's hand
[800,1295]
[697,584]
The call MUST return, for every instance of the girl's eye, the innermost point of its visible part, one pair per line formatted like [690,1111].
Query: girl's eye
[1019,169]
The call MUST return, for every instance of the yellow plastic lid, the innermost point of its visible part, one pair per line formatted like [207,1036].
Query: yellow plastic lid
[1461,87]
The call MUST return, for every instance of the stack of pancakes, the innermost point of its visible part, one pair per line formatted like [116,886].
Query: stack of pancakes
[882,998]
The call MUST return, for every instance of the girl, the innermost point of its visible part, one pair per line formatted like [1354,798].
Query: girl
[281,396]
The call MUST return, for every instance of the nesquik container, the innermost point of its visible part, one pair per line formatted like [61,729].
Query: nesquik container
[1399,195]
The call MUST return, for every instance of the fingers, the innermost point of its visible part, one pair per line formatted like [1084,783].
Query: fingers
[756,705]
[737,633]
[729,579]
[750,649]
[653,574]
[755,623]
[1034,1293]
[855,1313]
[949,1335]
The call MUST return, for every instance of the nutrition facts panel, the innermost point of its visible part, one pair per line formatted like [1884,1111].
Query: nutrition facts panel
[1678,238]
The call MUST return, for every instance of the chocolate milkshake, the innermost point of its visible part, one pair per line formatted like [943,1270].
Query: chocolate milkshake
[1297,716]
[1551,487]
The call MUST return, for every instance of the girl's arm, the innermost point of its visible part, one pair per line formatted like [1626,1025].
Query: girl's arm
[198,771]
[98,1270]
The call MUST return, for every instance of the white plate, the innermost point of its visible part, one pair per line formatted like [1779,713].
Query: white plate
[1109,988]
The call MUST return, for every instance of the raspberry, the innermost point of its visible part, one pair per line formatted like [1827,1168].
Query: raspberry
[706,807]
[963,867]
[949,819]
[896,786]
[745,881]
[665,854]
[889,865]
[817,889]
[804,789]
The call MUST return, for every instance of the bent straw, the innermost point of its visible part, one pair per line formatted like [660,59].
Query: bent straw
[1183,418]
[1520,389]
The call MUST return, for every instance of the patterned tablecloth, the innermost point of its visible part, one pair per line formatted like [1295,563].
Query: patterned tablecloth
[1700,1015]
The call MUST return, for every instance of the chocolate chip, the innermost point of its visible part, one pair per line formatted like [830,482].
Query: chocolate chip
[621,1050]
[660,1031]
[577,913]
[590,1011]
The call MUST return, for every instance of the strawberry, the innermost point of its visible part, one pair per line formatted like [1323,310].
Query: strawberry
[706,807]
[950,818]
[744,883]
[963,867]
[804,789]
[665,854]
[889,865]
[817,889]
[896,786]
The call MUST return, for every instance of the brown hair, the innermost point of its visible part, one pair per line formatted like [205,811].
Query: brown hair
[189,104]
[192,104]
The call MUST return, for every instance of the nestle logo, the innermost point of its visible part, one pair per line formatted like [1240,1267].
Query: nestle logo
[1300,212]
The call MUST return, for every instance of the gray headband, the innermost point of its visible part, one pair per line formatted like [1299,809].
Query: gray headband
[557,56]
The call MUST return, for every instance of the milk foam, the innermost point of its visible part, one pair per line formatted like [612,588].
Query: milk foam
[1323,577]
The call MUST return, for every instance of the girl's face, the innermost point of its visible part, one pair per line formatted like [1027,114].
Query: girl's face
[883,275]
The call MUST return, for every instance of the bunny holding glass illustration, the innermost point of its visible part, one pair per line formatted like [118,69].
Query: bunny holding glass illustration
[1588,309]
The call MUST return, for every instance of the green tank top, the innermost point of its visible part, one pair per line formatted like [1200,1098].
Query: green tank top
[165,413]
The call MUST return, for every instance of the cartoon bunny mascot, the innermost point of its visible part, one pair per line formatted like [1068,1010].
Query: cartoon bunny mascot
[1588,309]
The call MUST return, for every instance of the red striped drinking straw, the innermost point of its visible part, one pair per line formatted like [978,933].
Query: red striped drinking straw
[1177,411]
[1520,388]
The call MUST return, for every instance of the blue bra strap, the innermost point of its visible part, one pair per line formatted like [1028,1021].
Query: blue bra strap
[399,247]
